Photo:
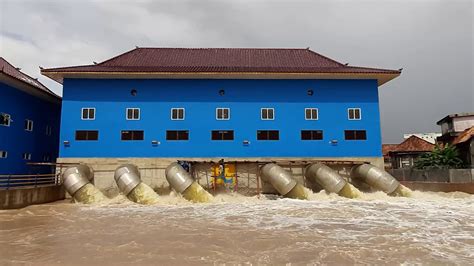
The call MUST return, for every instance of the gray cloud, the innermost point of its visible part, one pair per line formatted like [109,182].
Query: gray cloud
[431,40]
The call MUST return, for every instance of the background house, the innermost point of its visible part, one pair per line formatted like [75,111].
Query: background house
[29,122]
[465,144]
[453,125]
[405,154]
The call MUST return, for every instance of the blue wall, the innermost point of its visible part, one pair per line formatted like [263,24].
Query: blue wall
[200,98]
[16,140]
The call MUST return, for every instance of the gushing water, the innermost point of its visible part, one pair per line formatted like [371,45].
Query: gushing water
[402,191]
[143,194]
[89,194]
[298,192]
[349,191]
[196,193]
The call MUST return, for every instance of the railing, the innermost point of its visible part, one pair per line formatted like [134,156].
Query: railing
[28,181]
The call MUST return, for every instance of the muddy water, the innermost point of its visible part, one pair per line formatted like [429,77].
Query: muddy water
[429,228]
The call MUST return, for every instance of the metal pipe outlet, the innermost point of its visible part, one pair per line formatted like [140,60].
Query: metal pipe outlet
[375,177]
[76,177]
[280,179]
[127,177]
[322,174]
[178,178]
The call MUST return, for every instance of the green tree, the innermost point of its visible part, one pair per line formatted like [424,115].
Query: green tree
[440,158]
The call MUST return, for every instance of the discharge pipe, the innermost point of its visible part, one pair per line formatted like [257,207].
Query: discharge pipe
[75,177]
[280,179]
[127,177]
[375,177]
[326,177]
[178,178]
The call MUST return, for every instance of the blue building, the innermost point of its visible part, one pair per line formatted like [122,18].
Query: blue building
[220,103]
[29,122]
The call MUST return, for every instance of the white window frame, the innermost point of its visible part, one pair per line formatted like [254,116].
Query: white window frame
[3,154]
[46,158]
[9,119]
[354,108]
[133,113]
[88,113]
[267,108]
[222,108]
[178,108]
[26,156]
[29,125]
[311,118]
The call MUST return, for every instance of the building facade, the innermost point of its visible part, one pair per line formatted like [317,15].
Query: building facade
[453,125]
[153,106]
[29,122]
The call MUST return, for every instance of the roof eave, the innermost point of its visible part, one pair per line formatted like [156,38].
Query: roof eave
[59,76]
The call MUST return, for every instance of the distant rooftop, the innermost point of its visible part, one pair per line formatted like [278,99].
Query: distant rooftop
[450,117]
[412,144]
[9,70]
[221,61]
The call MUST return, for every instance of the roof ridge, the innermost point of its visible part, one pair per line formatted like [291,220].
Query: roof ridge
[221,48]
[124,53]
[330,59]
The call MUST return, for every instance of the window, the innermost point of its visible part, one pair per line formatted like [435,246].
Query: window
[132,135]
[87,135]
[267,113]
[46,158]
[5,119]
[26,156]
[133,113]
[3,154]
[49,130]
[311,134]
[28,125]
[177,135]
[222,135]
[222,113]
[177,113]
[311,113]
[88,113]
[355,134]
[354,113]
[268,135]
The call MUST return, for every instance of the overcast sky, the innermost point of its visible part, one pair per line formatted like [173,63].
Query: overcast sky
[431,40]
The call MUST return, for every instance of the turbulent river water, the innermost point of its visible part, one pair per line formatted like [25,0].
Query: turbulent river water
[429,228]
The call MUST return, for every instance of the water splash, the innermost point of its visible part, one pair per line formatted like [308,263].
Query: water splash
[402,191]
[349,191]
[89,194]
[298,192]
[143,194]
[196,193]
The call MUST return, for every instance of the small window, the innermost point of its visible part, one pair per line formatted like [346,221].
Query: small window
[88,113]
[267,113]
[133,113]
[222,135]
[26,156]
[268,135]
[87,135]
[5,119]
[311,134]
[355,134]
[46,158]
[177,113]
[28,125]
[177,135]
[311,113]
[132,135]
[222,113]
[354,113]
[49,130]
[3,154]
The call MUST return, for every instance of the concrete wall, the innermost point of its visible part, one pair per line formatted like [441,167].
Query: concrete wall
[434,175]
[15,140]
[152,170]
[200,98]
[19,198]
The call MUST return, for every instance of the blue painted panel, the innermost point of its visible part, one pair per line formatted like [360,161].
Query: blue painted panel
[16,140]
[155,98]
